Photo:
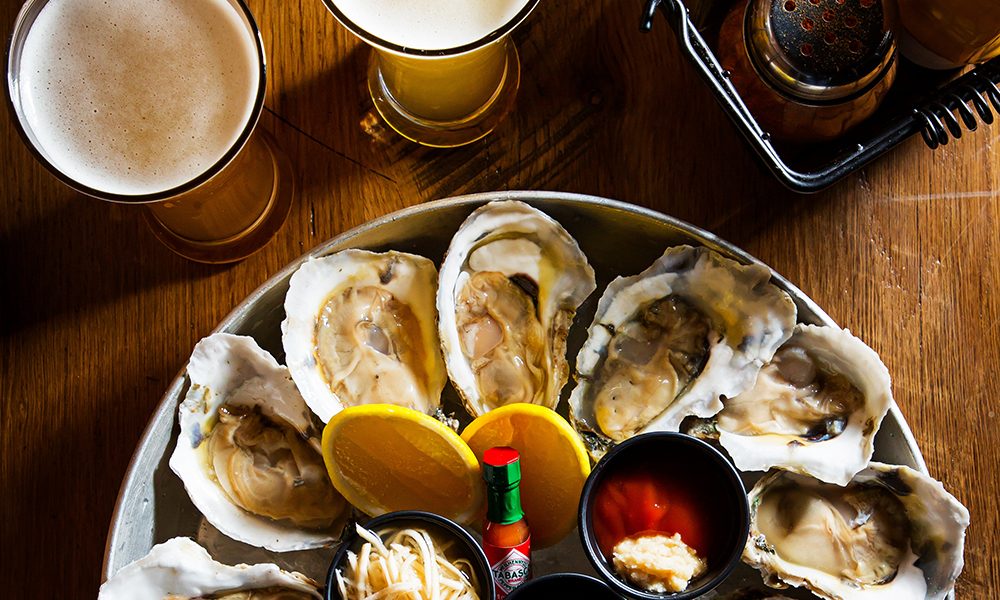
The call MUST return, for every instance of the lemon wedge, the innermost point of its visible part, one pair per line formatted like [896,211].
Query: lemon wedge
[384,458]
[554,464]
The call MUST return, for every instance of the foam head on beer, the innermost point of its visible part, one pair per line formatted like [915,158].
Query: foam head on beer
[135,97]
[431,24]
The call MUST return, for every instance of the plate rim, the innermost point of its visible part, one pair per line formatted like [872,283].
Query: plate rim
[166,406]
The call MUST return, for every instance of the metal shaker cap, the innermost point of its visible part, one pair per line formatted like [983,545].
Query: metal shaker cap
[820,50]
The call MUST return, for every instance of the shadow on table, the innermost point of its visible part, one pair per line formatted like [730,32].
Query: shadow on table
[327,112]
[58,496]
[78,255]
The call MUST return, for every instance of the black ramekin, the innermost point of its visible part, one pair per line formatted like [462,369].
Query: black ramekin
[564,585]
[675,448]
[410,518]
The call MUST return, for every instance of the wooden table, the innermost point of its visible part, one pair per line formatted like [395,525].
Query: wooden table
[98,316]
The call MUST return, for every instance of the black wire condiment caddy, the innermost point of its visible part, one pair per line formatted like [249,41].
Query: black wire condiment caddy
[937,105]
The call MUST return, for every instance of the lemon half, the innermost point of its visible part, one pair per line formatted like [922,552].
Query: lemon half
[384,458]
[554,464]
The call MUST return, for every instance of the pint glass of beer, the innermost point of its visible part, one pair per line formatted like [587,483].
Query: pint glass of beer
[443,73]
[154,103]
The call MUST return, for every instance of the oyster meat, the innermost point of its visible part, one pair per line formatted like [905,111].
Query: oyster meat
[672,341]
[509,287]
[814,409]
[360,329]
[180,569]
[249,450]
[891,533]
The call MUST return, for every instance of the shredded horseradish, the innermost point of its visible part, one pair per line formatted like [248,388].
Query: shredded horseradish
[657,562]
[407,566]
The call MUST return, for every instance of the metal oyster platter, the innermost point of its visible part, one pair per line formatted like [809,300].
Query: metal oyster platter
[618,239]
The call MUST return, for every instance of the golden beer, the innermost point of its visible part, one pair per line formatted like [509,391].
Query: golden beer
[155,104]
[443,72]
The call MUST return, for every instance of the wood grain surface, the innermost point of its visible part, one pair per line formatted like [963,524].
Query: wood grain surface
[98,316]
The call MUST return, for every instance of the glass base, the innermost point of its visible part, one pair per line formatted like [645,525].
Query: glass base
[447,134]
[237,247]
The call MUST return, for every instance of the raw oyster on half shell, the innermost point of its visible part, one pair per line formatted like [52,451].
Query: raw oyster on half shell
[814,409]
[180,569]
[509,287]
[249,453]
[674,340]
[360,329]
[892,533]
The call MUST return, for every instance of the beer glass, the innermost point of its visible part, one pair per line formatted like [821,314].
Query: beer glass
[154,104]
[437,75]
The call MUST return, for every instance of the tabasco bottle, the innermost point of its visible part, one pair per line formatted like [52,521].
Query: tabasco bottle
[506,538]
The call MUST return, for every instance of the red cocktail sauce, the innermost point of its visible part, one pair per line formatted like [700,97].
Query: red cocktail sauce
[646,497]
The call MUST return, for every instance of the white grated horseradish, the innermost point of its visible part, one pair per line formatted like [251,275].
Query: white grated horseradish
[408,565]
[657,562]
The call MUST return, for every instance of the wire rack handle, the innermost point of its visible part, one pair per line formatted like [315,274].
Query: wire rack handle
[978,89]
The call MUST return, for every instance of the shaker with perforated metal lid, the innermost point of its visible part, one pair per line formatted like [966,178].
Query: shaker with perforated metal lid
[821,66]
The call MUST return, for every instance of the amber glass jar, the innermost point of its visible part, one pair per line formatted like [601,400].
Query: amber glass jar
[946,34]
[809,70]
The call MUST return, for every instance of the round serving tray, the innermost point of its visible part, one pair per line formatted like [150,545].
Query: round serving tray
[618,238]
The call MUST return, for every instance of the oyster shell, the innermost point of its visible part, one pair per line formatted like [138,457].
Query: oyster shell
[359,329]
[814,409]
[181,569]
[672,341]
[891,533]
[509,287]
[248,451]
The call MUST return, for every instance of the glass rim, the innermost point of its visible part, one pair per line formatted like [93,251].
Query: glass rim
[374,40]
[22,25]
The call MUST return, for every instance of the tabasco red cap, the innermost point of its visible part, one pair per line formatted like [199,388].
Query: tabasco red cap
[502,467]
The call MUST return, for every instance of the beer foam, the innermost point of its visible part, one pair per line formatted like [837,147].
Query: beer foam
[430,24]
[135,97]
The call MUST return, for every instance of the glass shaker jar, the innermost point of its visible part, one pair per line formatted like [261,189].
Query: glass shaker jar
[809,70]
